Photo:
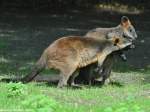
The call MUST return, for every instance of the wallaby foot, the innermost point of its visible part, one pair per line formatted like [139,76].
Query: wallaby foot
[72,78]
[107,81]
[63,80]
[76,86]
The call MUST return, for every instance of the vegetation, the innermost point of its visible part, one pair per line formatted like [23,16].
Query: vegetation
[39,97]
[72,4]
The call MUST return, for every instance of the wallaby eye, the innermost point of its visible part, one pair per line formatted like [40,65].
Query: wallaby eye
[130,30]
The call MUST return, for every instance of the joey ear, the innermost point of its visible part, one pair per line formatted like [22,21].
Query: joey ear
[125,22]
[116,41]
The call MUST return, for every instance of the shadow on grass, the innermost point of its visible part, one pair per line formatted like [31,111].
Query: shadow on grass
[117,84]
[100,85]
[54,84]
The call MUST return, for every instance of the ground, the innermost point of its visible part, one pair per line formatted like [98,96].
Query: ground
[43,98]
[23,37]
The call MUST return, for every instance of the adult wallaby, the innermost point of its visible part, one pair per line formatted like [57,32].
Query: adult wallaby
[68,54]
[124,29]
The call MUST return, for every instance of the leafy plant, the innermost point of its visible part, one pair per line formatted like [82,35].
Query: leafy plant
[16,89]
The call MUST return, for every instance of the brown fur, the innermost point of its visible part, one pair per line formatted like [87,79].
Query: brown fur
[68,54]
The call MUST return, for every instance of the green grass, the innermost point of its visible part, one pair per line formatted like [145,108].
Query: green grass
[41,97]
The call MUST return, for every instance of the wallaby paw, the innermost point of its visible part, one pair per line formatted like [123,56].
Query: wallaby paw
[98,70]
[76,86]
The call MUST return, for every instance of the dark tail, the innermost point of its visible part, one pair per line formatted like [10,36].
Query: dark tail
[39,67]
[35,71]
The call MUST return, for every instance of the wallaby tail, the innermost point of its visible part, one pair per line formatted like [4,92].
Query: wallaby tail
[35,71]
[39,66]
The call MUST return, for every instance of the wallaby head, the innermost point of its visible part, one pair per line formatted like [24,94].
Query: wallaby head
[128,28]
[124,29]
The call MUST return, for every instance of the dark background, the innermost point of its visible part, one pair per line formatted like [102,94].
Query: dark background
[27,27]
[67,4]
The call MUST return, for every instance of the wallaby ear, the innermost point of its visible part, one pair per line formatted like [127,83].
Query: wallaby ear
[125,22]
[116,41]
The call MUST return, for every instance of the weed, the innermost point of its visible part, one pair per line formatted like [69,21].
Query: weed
[16,89]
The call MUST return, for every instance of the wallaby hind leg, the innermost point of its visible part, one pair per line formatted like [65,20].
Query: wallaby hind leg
[63,81]
[107,67]
[64,77]
[72,78]
[106,76]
